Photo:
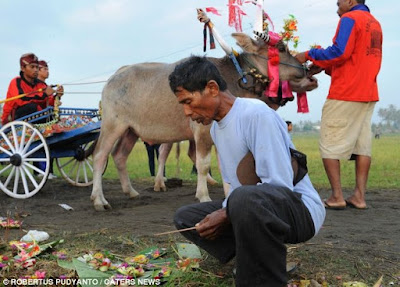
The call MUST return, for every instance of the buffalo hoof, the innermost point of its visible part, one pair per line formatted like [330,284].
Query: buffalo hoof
[205,199]
[101,207]
[160,188]
[133,194]
[100,203]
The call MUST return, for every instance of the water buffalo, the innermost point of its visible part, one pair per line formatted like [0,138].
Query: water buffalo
[137,102]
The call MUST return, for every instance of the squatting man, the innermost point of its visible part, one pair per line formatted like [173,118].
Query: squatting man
[255,221]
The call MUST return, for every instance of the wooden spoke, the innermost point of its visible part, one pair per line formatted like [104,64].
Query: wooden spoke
[78,170]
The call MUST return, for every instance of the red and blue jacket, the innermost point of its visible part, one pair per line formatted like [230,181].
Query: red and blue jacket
[34,94]
[354,59]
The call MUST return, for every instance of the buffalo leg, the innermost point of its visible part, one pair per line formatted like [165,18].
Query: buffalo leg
[120,155]
[192,155]
[159,183]
[108,136]
[203,160]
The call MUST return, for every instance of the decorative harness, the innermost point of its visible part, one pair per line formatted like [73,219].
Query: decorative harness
[254,81]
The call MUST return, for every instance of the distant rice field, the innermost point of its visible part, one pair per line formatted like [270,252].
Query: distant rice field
[384,173]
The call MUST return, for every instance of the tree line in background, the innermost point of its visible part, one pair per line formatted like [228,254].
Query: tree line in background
[389,122]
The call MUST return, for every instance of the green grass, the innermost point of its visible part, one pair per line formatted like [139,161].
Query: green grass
[384,172]
[138,164]
[385,167]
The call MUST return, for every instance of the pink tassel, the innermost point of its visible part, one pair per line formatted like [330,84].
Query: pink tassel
[286,90]
[302,104]
[273,72]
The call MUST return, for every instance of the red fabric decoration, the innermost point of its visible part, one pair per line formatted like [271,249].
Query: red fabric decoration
[274,60]
[302,104]
[235,14]
[273,72]
[213,10]
[286,90]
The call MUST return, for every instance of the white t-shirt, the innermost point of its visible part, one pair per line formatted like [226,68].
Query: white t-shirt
[252,126]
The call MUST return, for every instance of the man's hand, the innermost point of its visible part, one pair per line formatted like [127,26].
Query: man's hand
[60,91]
[49,91]
[301,57]
[313,70]
[213,224]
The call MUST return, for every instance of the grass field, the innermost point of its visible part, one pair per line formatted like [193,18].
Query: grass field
[384,173]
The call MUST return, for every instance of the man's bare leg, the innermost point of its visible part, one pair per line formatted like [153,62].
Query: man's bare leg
[332,169]
[363,164]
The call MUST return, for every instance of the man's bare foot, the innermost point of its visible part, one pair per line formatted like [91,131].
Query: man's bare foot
[354,203]
[335,205]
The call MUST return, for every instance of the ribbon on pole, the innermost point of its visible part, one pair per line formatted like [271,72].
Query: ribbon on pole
[235,14]
[202,16]
[212,42]
[213,10]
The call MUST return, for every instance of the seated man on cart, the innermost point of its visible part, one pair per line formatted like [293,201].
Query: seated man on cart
[36,94]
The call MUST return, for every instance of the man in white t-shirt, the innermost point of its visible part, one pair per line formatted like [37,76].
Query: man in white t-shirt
[255,221]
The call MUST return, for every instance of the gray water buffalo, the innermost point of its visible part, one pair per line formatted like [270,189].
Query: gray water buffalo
[137,102]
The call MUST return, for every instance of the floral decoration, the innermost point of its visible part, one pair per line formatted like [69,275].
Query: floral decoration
[315,46]
[10,223]
[289,28]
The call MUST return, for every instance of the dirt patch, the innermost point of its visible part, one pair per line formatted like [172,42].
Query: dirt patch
[352,245]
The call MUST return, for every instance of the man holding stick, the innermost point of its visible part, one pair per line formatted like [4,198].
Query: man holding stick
[26,94]
[255,220]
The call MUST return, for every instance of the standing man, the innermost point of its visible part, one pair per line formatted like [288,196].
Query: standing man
[152,149]
[255,221]
[289,126]
[353,62]
[36,93]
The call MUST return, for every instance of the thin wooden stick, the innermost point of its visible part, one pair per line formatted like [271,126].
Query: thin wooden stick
[175,231]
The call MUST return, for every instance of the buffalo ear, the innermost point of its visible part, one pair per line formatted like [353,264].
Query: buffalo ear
[246,43]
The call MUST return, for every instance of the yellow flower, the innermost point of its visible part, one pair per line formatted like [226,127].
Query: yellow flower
[141,259]
[98,256]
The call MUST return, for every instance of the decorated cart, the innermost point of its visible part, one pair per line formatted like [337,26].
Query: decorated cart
[27,144]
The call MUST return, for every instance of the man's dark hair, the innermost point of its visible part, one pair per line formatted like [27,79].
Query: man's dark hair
[288,122]
[361,2]
[194,74]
